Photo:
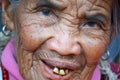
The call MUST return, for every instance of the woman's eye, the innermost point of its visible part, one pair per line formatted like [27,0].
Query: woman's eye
[46,12]
[92,24]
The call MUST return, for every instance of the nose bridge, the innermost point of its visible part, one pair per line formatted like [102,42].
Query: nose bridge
[70,14]
[66,34]
[64,39]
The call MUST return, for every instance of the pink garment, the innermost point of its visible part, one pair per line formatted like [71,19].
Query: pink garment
[96,74]
[10,63]
[8,59]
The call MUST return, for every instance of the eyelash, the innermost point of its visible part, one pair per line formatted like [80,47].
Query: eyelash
[93,24]
[44,10]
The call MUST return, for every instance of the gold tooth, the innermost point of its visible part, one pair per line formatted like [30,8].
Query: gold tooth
[56,70]
[66,71]
[62,72]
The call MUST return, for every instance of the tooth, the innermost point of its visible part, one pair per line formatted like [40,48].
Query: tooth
[66,71]
[56,70]
[62,72]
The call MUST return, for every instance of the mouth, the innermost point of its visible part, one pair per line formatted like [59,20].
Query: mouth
[58,69]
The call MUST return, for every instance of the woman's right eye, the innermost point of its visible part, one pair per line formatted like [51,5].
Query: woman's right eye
[45,11]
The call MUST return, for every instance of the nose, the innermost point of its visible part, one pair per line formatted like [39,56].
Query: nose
[64,45]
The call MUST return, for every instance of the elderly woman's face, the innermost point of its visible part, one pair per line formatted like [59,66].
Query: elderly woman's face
[61,39]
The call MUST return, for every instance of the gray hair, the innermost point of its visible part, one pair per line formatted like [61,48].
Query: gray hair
[105,68]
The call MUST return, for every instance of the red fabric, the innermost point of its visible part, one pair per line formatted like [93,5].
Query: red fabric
[4,73]
[116,69]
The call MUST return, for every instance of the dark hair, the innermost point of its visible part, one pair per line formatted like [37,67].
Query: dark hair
[116,16]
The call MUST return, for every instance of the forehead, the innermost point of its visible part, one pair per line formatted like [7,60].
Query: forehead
[73,2]
[74,7]
[84,5]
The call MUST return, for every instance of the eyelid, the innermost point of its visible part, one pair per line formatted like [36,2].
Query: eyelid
[98,22]
[99,16]
[39,8]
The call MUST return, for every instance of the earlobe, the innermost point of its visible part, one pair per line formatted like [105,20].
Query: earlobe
[7,14]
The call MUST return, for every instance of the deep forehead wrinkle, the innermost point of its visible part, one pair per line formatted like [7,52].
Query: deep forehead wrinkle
[106,1]
[94,6]
[64,3]
[94,2]
[101,3]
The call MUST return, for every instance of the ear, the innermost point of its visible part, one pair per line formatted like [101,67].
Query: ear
[7,14]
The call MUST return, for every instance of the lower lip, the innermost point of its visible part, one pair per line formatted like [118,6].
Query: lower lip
[48,72]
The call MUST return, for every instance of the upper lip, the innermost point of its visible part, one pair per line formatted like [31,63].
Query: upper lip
[61,64]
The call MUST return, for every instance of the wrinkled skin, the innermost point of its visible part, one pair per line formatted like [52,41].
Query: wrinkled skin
[73,32]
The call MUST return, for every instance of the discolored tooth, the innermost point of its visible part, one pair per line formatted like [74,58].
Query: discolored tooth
[66,71]
[56,70]
[62,72]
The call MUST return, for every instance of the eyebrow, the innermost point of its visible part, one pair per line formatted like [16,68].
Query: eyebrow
[47,3]
[98,16]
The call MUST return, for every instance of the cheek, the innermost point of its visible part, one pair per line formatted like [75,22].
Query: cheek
[33,30]
[94,52]
[94,48]
[32,36]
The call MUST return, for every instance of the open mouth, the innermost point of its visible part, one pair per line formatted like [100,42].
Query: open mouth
[59,69]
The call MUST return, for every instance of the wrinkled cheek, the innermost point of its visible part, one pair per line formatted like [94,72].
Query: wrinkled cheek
[94,52]
[32,38]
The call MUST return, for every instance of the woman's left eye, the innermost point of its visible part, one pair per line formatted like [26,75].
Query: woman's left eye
[92,24]
[46,12]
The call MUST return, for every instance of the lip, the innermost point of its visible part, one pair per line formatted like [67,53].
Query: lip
[49,64]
